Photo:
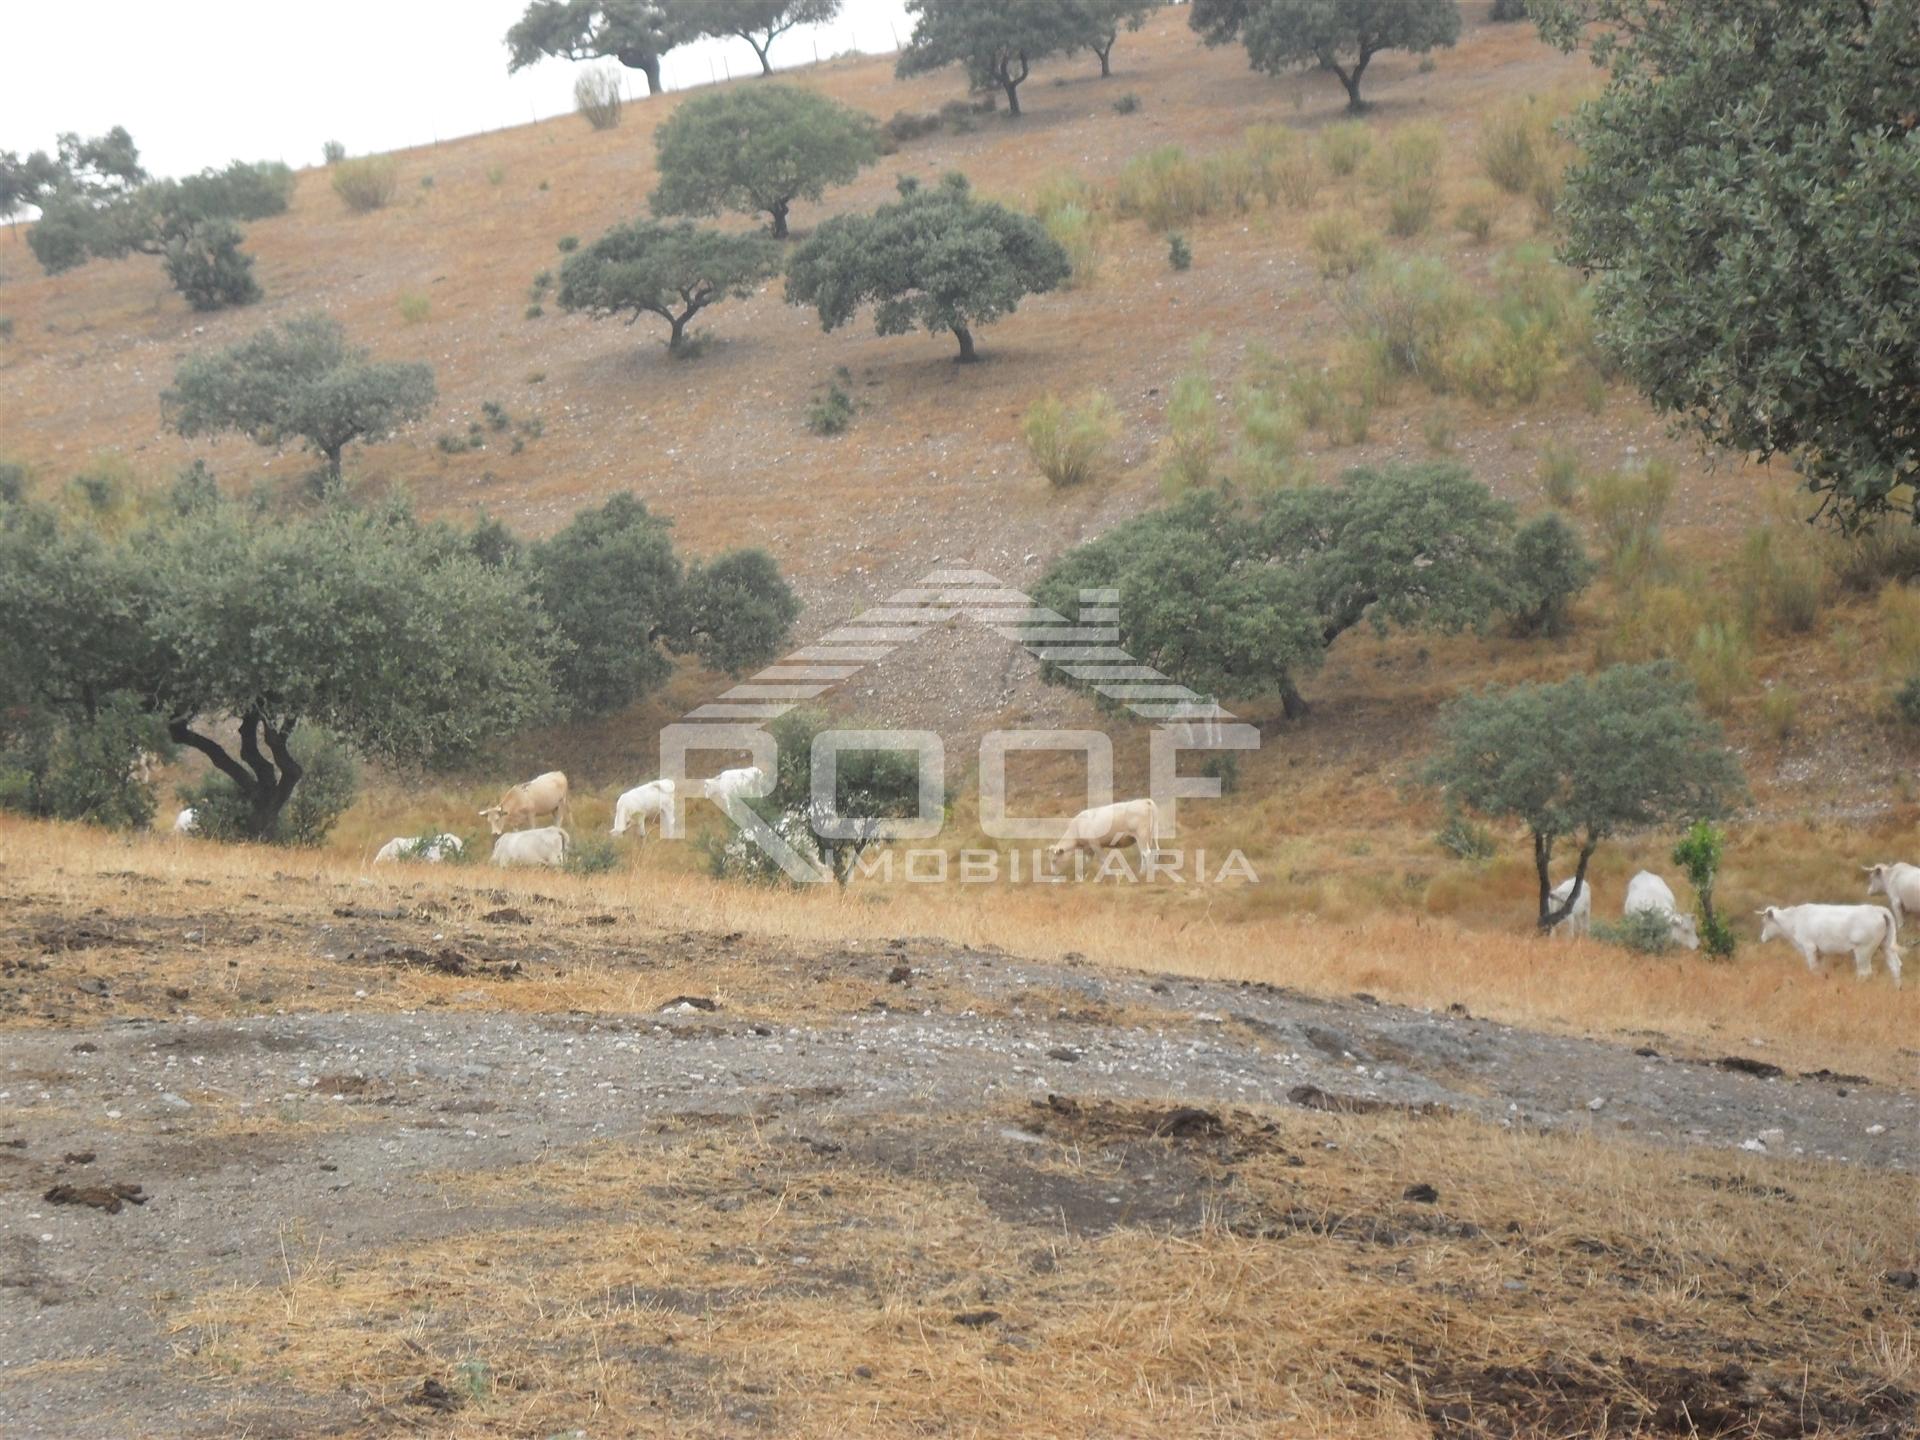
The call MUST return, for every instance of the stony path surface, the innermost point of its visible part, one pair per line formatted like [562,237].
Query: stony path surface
[325,1125]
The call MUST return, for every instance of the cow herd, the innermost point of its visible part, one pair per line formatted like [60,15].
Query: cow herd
[1812,930]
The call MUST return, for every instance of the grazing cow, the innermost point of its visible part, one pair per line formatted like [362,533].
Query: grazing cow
[651,801]
[1579,920]
[187,822]
[1108,827]
[1816,930]
[430,848]
[1648,894]
[545,846]
[526,805]
[1900,883]
[748,780]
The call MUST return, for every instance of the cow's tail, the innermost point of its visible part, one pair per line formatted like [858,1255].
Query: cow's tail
[1890,947]
[566,842]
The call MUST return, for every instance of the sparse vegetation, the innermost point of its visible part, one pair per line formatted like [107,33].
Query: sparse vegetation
[1127,104]
[1342,244]
[831,412]
[1344,147]
[414,307]
[1179,253]
[1629,507]
[597,98]
[366,184]
[1072,443]
[333,152]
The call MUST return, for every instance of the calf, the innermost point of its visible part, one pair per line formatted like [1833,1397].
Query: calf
[1816,930]
[187,822]
[1108,827]
[430,848]
[1579,919]
[1900,883]
[545,846]
[1648,894]
[651,801]
[728,784]
[526,804]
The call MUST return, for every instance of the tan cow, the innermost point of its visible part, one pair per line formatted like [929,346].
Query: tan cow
[1108,827]
[524,806]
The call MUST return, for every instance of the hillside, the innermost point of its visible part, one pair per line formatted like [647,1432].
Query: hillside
[934,469]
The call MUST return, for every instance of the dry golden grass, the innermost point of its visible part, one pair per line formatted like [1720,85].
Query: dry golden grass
[718,1280]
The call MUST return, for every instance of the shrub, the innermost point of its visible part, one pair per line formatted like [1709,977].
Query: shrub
[1077,231]
[1438,431]
[1645,932]
[496,175]
[1698,854]
[1899,615]
[597,854]
[1721,664]
[333,152]
[1780,711]
[6,327]
[1342,244]
[534,312]
[1295,176]
[567,244]
[207,267]
[415,307]
[1345,146]
[832,413]
[1193,433]
[81,770]
[1410,208]
[1476,219]
[1520,150]
[1882,552]
[331,781]
[1628,508]
[366,184]
[1781,586]
[905,126]
[1407,317]
[1127,104]
[1549,567]
[596,97]
[1559,472]
[13,482]
[1167,187]
[541,283]
[1179,253]
[1269,437]
[1906,702]
[1072,444]
[1508,10]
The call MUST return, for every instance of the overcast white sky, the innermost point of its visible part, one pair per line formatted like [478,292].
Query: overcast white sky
[202,82]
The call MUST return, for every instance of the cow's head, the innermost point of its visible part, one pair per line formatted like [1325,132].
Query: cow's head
[1877,879]
[496,819]
[1686,931]
[1769,923]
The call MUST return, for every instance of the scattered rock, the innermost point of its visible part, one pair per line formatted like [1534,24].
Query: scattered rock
[691,1002]
[1646,1052]
[1063,1052]
[506,915]
[85,1047]
[1187,1121]
[900,974]
[179,992]
[1745,1065]
[974,1319]
[1835,1077]
[1312,1097]
[598,920]
[1459,1011]
[1902,1279]
[79,1157]
[1598,1102]
[1876,1129]
[434,1396]
[110,1198]
[1422,1193]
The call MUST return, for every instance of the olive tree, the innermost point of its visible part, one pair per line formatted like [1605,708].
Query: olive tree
[937,258]
[757,151]
[1340,36]
[759,22]
[673,271]
[1101,21]
[1750,213]
[623,602]
[634,32]
[997,41]
[236,630]
[1241,598]
[1584,760]
[300,379]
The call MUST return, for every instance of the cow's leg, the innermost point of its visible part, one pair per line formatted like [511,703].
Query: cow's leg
[1812,957]
[1863,959]
[1893,964]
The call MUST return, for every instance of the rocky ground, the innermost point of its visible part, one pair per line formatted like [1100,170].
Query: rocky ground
[144,1160]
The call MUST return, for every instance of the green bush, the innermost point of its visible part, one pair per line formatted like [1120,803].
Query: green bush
[1780,711]
[594,856]
[13,482]
[1721,664]
[1629,508]
[1518,148]
[1559,472]
[1781,586]
[207,267]
[1549,568]
[596,98]
[1077,230]
[1127,104]
[333,152]
[1345,146]
[1508,10]
[1410,208]
[331,782]
[1407,316]
[366,184]
[832,413]
[1476,219]
[1906,702]
[1179,253]
[1167,187]
[1466,839]
[1645,932]
[905,126]
[81,770]
[1072,444]
[1193,433]
[1342,244]
[415,307]
[1698,854]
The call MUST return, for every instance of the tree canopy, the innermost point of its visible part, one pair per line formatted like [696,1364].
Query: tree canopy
[1748,201]
[937,258]
[299,379]
[623,601]
[1241,597]
[390,634]
[759,22]
[758,150]
[1103,20]
[1584,760]
[673,271]
[634,32]
[997,41]
[1341,36]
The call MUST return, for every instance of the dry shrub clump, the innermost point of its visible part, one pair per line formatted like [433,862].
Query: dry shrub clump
[366,184]
[1072,443]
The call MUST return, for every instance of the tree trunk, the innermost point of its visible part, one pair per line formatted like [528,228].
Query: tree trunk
[1550,915]
[679,335]
[1105,52]
[1012,87]
[1292,703]
[965,337]
[766,65]
[779,213]
[1351,79]
[265,784]
[647,63]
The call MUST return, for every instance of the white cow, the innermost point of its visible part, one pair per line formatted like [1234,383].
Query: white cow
[1900,883]
[1816,930]
[187,822]
[545,846]
[651,801]
[748,780]
[526,803]
[430,848]
[1108,827]
[1579,920]
[1648,894]
[140,769]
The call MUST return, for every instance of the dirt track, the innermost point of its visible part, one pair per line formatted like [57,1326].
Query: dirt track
[343,1126]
